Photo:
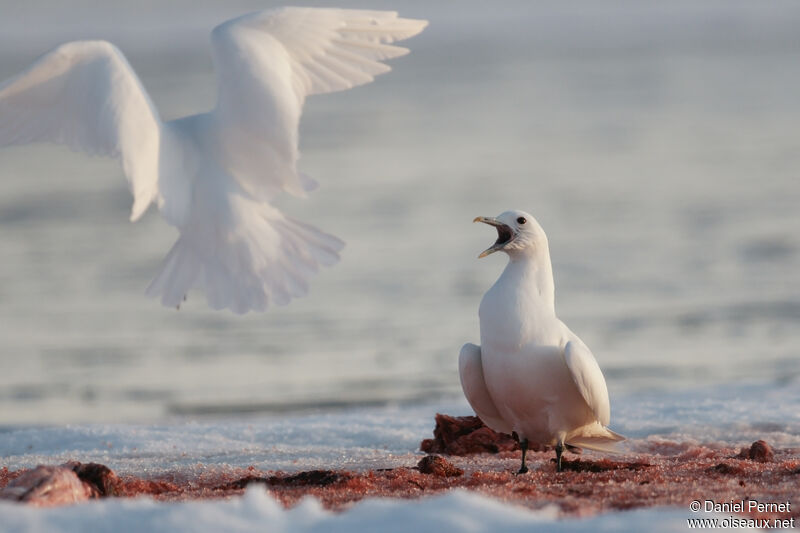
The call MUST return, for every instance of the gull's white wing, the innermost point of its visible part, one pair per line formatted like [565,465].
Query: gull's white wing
[268,62]
[84,94]
[470,369]
[589,378]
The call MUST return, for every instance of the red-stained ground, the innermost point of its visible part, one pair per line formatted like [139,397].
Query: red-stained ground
[666,473]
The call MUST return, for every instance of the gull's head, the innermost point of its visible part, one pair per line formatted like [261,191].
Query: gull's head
[518,234]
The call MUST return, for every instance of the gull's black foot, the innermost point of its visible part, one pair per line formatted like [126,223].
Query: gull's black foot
[524,445]
[559,451]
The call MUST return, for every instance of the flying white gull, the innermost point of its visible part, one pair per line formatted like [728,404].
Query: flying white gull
[531,375]
[213,175]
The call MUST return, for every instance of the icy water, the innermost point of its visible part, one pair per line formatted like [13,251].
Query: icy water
[657,144]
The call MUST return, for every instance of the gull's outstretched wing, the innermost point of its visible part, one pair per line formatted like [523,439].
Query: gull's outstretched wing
[470,369]
[589,378]
[84,94]
[268,62]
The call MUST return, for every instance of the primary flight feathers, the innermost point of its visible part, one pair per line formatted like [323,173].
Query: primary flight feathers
[213,174]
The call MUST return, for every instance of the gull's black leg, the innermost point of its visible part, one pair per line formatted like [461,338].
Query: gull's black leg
[524,445]
[559,451]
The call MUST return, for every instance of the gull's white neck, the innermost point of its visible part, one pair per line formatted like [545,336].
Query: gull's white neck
[532,275]
[520,307]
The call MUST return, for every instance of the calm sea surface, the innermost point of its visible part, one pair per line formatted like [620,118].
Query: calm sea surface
[658,144]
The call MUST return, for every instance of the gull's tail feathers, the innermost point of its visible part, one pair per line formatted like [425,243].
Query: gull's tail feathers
[598,438]
[245,257]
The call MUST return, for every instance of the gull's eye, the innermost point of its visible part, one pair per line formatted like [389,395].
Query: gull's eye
[521,220]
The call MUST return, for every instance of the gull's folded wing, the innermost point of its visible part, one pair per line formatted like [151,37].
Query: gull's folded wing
[85,95]
[470,369]
[589,378]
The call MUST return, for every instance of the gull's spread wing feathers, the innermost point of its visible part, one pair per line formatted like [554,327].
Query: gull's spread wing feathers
[268,62]
[85,95]
[335,49]
[589,378]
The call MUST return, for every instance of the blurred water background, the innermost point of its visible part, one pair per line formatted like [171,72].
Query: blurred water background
[656,142]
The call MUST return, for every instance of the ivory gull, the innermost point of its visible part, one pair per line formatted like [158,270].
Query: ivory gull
[532,376]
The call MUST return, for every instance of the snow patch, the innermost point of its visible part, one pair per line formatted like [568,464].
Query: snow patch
[258,511]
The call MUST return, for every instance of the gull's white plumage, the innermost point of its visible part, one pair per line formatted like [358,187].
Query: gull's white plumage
[212,175]
[532,375]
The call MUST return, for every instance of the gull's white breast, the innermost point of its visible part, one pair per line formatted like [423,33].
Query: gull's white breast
[522,347]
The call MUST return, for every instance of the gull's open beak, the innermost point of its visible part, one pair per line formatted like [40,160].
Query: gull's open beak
[504,235]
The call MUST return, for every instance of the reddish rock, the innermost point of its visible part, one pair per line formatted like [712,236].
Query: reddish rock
[601,465]
[438,466]
[316,478]
[47,486]
[466,435]
[726,469]
[101,480]
[311,478]
[759,451]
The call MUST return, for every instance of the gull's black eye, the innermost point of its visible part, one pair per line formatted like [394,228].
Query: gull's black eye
[521,220]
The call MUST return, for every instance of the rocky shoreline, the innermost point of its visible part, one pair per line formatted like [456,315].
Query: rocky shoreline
[465,454]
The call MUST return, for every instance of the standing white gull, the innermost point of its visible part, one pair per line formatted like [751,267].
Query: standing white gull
[213,175]
[531,375]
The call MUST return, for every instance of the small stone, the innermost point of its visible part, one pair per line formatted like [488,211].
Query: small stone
[759,451]
[438,466]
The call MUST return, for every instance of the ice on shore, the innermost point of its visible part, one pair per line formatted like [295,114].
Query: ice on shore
[367,438]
